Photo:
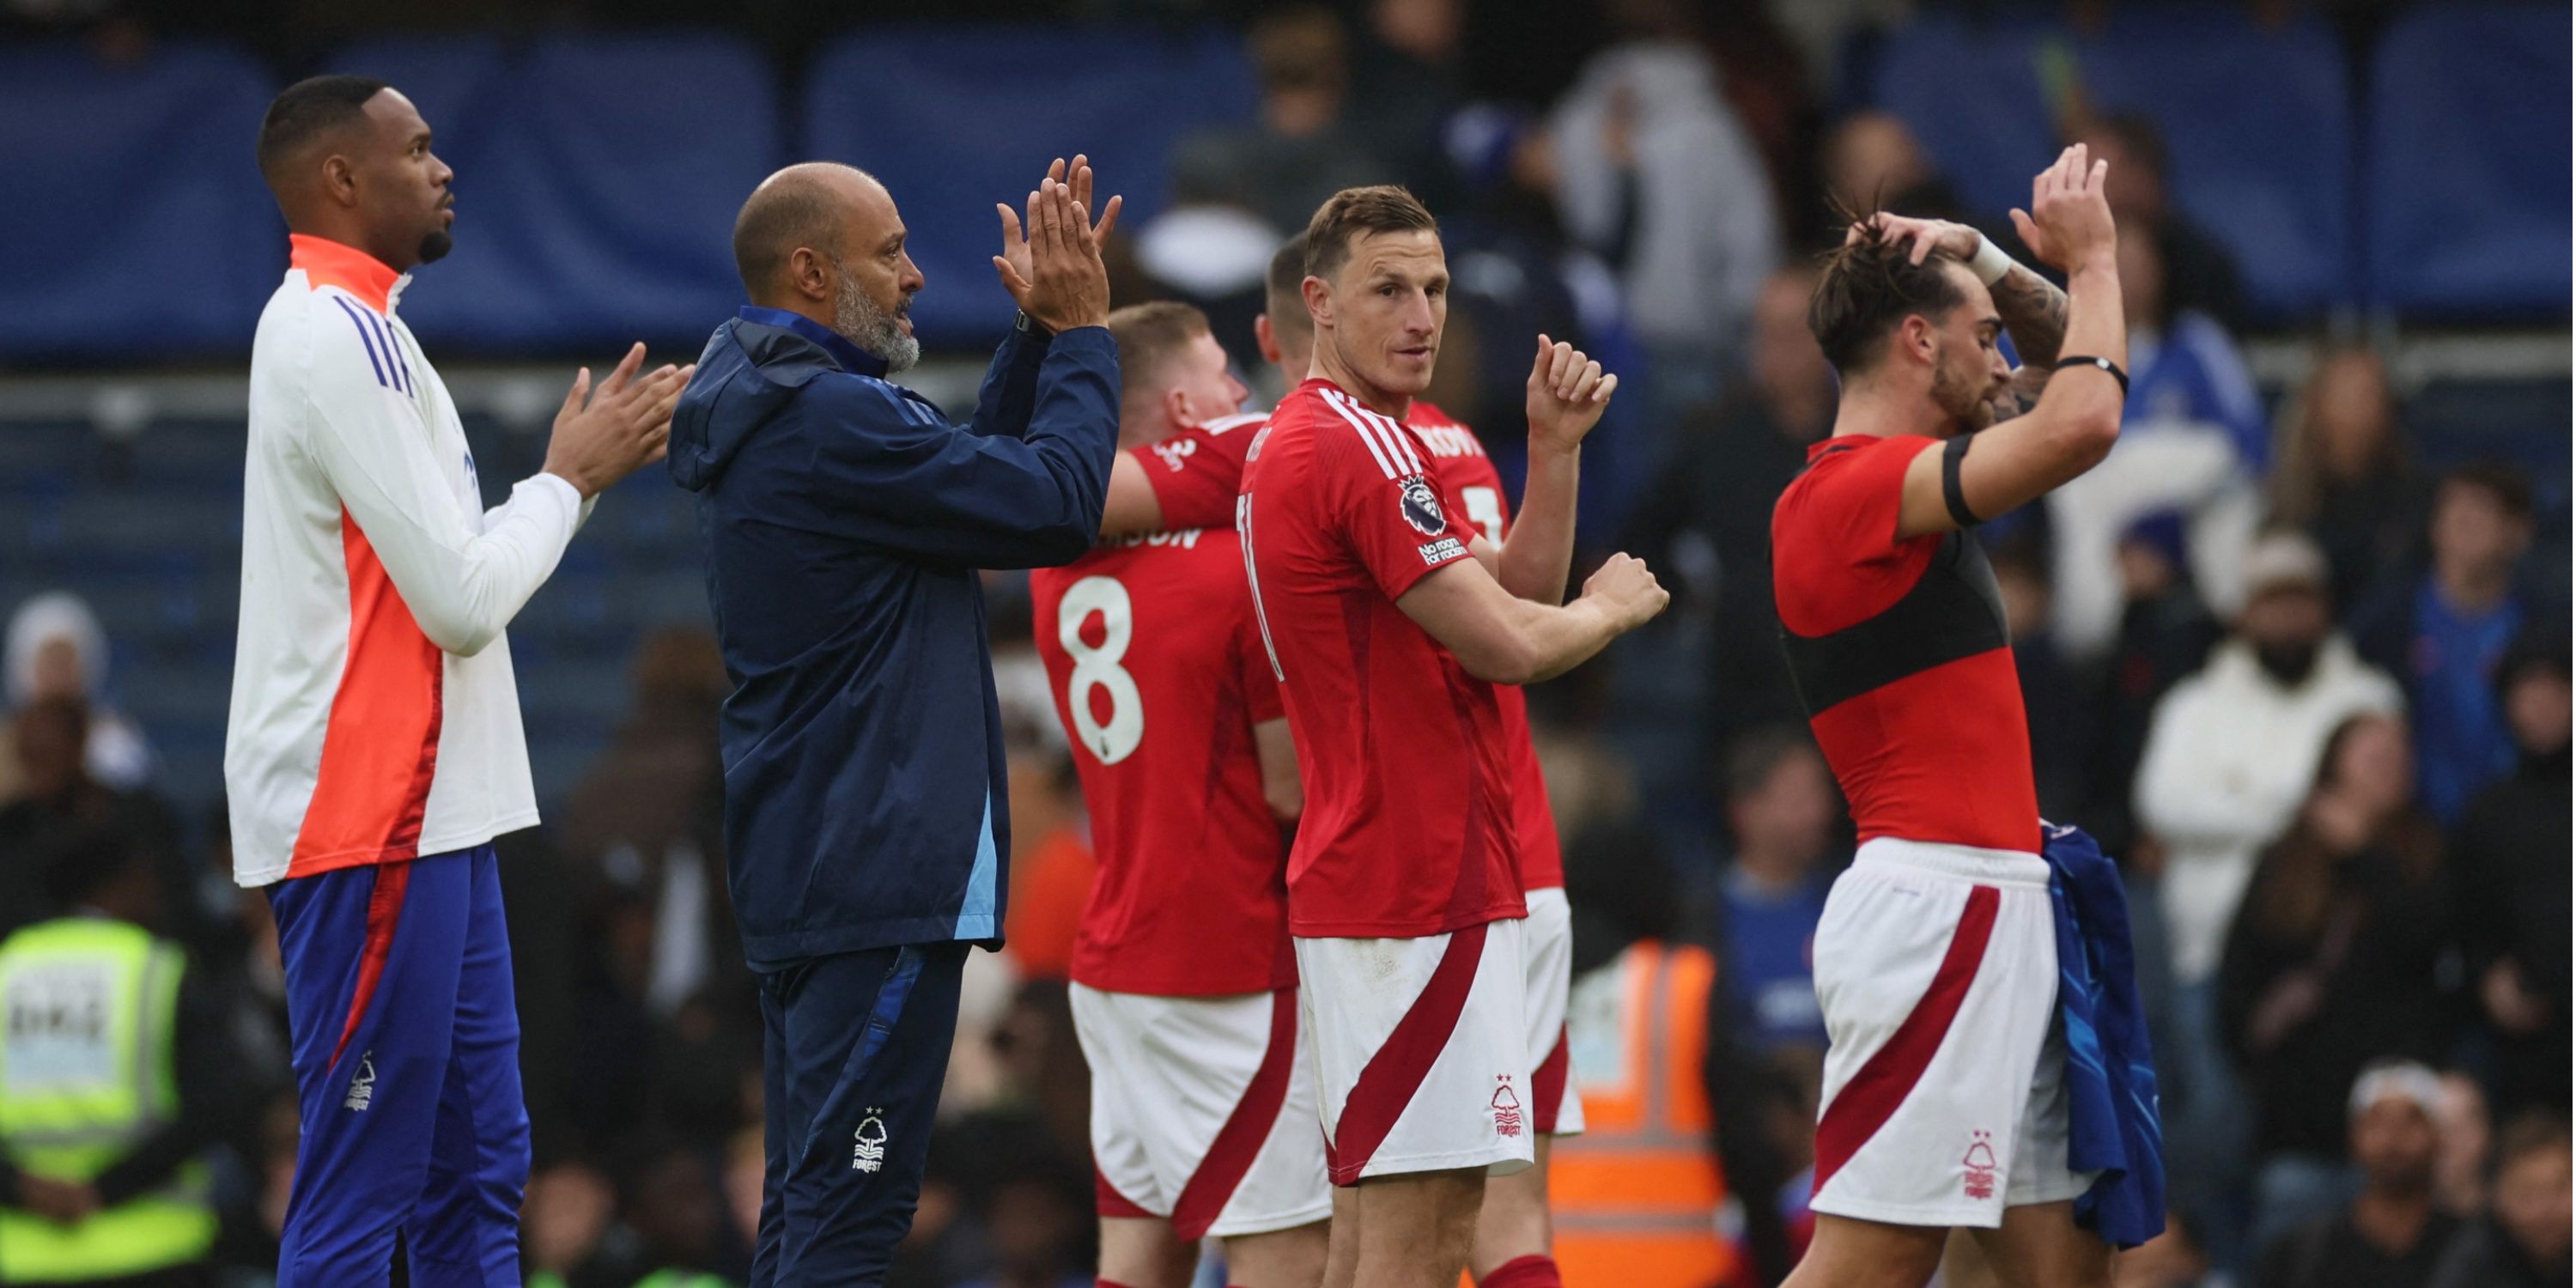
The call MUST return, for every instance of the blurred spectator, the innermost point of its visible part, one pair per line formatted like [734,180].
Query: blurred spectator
[1657,173]
[123,1073]
[1705,520]
[1873,162]
[1410,82]
[2467,1133]
[1018,1209]
[2390,1235]
[670,1223]
[1305,148]
[56,649]
[2053,698]
[2165,634]
[2510,857]
[2523,1241]
[566,1214]
[2344,473]
[2442,633]
[2192,442]
[1051,864]
[1636,1197]
[60,799]
[2337,956]
[2203,273]
[2233,750]
[1781,811]
[1509,260]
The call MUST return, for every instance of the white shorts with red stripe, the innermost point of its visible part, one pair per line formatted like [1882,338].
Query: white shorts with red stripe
[1421,1051]
[1944,1094]
[1202,1111]
[1556,1108]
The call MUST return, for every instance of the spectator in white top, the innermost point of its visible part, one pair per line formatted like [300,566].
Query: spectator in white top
[2232,750]
[2192,441]
[57,650]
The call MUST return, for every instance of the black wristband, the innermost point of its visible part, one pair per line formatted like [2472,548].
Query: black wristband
[1951,495]
[2083,360]
[1030,326]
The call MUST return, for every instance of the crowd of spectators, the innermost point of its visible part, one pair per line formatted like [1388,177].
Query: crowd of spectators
[2314,695]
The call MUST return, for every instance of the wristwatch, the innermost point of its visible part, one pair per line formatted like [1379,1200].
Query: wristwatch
[1026,325]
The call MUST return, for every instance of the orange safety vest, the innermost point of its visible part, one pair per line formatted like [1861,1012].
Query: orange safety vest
[1635,1199]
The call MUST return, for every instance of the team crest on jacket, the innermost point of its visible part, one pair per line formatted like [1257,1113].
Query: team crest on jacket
[1421,505]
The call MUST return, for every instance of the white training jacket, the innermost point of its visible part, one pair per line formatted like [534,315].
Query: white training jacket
[374,717]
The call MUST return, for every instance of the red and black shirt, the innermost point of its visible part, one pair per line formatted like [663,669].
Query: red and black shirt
[1900,654]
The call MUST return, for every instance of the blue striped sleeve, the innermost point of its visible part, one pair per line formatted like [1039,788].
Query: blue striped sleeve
[365,339]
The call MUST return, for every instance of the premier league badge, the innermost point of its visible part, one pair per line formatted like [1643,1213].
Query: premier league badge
[1421,505]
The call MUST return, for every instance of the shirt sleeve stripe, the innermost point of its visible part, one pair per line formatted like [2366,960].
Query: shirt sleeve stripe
[1333,399]
[1401,437]
[365,339]
[393,341]
[399,369]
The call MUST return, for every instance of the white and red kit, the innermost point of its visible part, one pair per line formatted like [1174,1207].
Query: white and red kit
[1184,983]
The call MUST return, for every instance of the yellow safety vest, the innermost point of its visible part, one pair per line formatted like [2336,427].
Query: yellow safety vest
[91,1008]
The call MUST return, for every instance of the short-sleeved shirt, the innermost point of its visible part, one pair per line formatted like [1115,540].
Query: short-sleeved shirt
[1408,827]
[1200,469]
[1159,675]
[1900,654]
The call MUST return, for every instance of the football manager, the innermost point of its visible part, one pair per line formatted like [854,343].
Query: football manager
[844,520]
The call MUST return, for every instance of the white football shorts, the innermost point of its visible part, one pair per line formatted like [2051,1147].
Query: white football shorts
[1944,1095]
[1203,1111]
[1556,1108]
[1421,1051]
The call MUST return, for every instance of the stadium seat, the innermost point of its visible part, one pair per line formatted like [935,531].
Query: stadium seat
[2467,172]
[136,227]
[597,179]
[2255,120]
[956,119]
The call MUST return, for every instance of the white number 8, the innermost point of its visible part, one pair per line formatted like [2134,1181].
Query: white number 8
[1098,667]
[1485,510]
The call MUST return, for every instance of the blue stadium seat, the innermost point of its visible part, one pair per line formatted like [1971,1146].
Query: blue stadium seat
[2256,122]
[136,227]
[596,183]
[956,119]
[2468,167]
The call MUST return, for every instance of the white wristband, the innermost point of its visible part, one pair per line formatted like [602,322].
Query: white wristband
[1990,263]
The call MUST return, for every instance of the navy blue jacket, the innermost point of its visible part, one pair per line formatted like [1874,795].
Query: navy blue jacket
[2115,1119]
[844,519]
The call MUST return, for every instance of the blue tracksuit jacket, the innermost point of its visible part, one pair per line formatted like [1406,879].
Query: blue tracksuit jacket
[844,519]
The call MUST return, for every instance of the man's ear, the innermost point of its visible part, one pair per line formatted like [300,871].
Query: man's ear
[1916,332]
[1267,340]
[339,180]
[808,275]
[1177,409]
[1318,295]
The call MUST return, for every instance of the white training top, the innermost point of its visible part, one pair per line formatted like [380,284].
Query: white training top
[374,717]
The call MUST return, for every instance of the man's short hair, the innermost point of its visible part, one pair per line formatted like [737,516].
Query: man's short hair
[305,111]
[1151,334]
[1866,288]
[2530,1132]
[1353,213]
[1758,755]
[2137,132]
[2507,486]
[1285,289]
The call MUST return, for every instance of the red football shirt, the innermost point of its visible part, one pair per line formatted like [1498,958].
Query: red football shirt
[1197,471]
[1408,828]
[1900,654]
[1159,674]
[1459,458]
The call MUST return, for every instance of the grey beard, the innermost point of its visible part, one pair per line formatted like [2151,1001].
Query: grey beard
[861,322]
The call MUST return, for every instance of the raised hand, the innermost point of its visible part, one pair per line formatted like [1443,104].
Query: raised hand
[2069,220]
[1567,394]
[1065,284]
[603,435]
[1625,587]
[1014,262]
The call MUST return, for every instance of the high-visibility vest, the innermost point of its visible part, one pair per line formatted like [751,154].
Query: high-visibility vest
[86,1074]
[1637,1199]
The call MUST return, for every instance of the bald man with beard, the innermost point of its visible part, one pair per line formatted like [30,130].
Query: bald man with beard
[845,519]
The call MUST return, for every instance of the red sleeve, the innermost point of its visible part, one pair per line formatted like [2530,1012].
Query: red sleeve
[1195,475]
[1835,556]
[1385,506]
[1261,699]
